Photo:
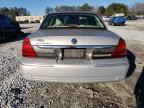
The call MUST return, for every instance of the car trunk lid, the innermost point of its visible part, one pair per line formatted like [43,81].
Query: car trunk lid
[65,37]
[74,43]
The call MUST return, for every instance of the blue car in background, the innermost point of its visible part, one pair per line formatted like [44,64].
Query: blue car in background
[117,21]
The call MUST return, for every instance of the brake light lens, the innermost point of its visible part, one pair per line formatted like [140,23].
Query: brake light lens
[121,49]
[27,49]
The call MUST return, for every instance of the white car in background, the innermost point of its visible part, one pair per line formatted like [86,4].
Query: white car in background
[106,18]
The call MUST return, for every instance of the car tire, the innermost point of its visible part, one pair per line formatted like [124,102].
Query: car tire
[113,24]
[4,38]
[109,23]
[0,38]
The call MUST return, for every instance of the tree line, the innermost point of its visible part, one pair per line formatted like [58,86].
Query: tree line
[135,9]
[84,7]
[14,11]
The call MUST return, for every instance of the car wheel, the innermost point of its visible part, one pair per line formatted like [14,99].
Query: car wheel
[2,38]
[110,23]
[113,24]
[123,24]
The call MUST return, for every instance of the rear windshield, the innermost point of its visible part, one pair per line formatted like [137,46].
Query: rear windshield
[72,21]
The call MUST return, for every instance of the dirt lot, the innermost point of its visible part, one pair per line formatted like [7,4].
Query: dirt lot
[16,92]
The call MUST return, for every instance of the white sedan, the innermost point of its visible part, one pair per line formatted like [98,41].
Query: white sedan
[106,18]
[74,47]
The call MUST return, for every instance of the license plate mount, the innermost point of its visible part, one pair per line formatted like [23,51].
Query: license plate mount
[74,53]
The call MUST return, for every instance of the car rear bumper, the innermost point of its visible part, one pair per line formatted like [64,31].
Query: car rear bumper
[119,23]
[99,70]
[10,33]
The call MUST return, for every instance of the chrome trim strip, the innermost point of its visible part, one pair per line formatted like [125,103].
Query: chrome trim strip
[75,46]
[102,55]
[111,65]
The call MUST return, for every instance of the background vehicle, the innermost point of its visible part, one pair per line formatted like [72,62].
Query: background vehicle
[117,21]
[131,18]
[8,28]
[106,18]
[37,21]
[74,47]
[119,15]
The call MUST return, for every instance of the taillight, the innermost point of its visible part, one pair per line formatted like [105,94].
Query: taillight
[27,49]
[120,50]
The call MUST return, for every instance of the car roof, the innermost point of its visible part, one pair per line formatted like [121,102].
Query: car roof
[73,12]
[117,17]
[3,15]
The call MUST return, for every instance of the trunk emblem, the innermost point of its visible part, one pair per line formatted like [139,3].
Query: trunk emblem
[74,41]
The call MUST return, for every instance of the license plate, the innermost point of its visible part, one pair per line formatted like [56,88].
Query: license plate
[74,53]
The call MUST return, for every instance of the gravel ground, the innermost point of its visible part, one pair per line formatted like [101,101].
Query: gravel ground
[15,92]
